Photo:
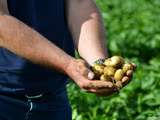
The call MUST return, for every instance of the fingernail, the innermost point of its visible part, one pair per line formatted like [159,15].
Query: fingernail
[129,73]
[134,66]
[110,85]
[119,84]
[125,79]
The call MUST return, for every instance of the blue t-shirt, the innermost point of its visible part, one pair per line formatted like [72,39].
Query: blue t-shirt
[17,75]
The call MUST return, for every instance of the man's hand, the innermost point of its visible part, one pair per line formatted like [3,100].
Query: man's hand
[78,70]
[125,81]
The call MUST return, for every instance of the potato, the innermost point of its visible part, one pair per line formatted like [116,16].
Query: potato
[109,71]
[105,78]
[119,74]
[117,61]
[114,69]
[102,78]
[108,62]
[98,70]
[127,66]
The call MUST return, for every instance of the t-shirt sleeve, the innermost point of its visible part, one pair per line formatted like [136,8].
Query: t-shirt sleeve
[3,7]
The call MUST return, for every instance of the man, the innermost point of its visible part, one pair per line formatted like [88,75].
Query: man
[36,56]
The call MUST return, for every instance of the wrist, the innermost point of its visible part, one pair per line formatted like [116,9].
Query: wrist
[69,65]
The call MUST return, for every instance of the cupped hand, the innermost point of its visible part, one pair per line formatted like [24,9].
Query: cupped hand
[120,84]
[79,71]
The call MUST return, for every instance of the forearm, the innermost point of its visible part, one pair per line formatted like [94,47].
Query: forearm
[87,29]
[29,44]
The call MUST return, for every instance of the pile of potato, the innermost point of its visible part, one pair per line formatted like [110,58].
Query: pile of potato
[113,69]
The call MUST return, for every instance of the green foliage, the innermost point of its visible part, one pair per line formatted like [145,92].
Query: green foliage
[133,27]
[133,31]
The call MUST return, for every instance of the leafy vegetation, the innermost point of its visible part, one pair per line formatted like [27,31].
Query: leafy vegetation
[133,31]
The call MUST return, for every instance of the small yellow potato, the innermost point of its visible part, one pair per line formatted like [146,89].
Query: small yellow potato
[118,75]
[108,62]
[98,69]
[109,71]
[113,69]
[117,61]
[127,66]
[105,78]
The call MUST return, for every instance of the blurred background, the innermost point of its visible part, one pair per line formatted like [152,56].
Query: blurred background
[133,31]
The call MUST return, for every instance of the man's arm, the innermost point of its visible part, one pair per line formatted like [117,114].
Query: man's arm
[87,29]
[27,43]
[86,25]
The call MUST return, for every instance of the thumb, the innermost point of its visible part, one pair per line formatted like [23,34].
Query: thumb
[84,70]
[91,75]
[87,73]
